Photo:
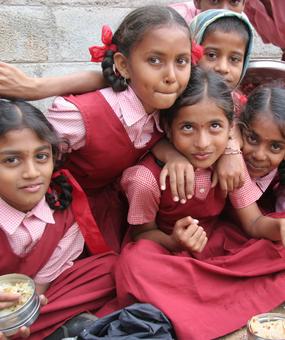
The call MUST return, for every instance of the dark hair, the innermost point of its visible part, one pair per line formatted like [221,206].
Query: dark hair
[227,25]
[202,83]
[17,115]
[131,31]
[265,99]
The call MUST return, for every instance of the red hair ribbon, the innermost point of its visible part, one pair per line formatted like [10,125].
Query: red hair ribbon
[197,52]
[243,99]
[98,52]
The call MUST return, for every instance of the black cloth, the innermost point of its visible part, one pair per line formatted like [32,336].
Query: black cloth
[138,321]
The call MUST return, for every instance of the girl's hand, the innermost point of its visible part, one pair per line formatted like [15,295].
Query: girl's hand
[229,172]
[14,83]
[7,300]
[23,332]
[189,235]
[181,178]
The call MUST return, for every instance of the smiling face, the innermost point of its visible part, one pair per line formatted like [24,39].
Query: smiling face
[264,145]
[159,66]
[232,5]
[201,138]
[224,53]
[25,168]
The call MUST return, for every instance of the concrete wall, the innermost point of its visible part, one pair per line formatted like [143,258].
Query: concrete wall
[51,37]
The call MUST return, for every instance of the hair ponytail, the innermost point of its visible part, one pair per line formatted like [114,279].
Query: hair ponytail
[59,194]
[115,80]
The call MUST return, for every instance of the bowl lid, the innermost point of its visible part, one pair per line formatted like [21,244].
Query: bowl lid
[263,71]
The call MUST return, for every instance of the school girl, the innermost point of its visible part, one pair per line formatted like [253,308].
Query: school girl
[208,276]
[262,127]
[41,224]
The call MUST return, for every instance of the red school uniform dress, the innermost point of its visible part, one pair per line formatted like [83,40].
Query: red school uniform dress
[45,245]
[116,133]
[208,294]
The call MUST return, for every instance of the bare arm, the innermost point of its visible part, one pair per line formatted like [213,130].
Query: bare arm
[14,83]
[259,226]
[186,235]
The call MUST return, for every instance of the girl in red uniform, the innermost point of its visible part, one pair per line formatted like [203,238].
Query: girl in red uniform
[262,127]
[206,275]
[41,224]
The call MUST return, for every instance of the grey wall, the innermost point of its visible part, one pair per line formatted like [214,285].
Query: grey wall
[52,37]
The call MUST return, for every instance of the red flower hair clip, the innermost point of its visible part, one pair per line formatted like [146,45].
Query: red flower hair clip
[197,52]
[98,52]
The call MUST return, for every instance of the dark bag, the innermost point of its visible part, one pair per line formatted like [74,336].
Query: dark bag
[138,321]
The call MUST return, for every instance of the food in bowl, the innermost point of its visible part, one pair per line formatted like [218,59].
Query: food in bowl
[267,326]
[26,310]
[23,288]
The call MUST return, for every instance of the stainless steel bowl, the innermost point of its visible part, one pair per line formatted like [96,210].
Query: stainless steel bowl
[26,314]
[263,71]
[265,326]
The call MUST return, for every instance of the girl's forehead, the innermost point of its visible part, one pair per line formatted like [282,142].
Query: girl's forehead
[21,137]
[169,37]
[219,37]
[161,30]
[267,126]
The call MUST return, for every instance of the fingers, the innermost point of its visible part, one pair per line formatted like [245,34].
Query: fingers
[230,173]
[190,182]
[230,184]
[224,186]
[162,178]
[8,300]
[181,181]
[215,180]
[3,337]
[241,180]
[43,300]
[173,186]
[180,186]
[184,222]
[24,332]
[190,235]
[195,238]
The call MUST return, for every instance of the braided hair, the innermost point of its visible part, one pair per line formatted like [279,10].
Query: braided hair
[16,115]
[131,32]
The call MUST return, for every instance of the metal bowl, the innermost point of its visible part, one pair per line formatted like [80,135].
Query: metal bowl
[11,319]
[261,72]
[266,326]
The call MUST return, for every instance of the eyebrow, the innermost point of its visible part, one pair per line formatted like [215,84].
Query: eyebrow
[18,152]
[160,53]
[247,132]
